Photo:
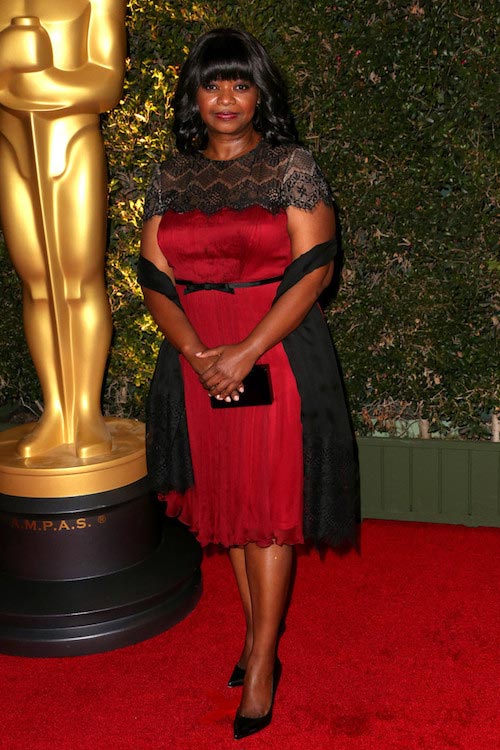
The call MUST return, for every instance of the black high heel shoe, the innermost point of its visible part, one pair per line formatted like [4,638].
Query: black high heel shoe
[244,726]
[237,677]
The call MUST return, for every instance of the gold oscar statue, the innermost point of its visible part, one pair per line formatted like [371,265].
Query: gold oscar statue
[85,563]
[61,65]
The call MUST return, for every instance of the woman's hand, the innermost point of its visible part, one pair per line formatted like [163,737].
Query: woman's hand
[201,365]
[229,364]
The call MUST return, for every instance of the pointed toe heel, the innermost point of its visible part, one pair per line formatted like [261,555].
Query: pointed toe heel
[244,726]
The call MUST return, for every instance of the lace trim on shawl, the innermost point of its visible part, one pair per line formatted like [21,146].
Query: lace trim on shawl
[273,177]
[168,454]
[331,476]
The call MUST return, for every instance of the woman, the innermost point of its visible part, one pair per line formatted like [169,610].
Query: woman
[237,246]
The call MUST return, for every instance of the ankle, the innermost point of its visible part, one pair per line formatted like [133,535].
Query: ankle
[262,662]
[247,650]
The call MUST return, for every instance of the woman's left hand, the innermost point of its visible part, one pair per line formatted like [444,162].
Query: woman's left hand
[224,378]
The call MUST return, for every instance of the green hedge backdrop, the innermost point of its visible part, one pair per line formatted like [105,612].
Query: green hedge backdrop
[397,102]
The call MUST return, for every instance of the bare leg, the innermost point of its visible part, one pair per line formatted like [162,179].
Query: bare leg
[268,573]
[237,557]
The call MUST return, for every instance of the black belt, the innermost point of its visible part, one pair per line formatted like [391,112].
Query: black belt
[229,287]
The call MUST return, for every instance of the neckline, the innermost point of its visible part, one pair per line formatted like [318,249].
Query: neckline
[235,158]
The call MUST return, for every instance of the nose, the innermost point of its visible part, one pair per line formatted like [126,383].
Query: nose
[226,93]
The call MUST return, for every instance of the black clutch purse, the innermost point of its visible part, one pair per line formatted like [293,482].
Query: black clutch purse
[258,390]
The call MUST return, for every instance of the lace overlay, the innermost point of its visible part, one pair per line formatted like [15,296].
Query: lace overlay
[273,177]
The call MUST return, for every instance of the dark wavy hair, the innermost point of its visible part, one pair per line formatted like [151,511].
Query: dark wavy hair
[229,55]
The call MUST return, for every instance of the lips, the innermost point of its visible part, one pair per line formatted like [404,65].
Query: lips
[225,115]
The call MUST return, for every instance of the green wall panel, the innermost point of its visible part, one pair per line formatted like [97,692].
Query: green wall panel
[426,490]
[440,481]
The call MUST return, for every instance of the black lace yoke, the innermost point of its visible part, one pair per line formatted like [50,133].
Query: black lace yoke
[273,177]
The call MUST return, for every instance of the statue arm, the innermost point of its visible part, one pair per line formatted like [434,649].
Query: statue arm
[93,87]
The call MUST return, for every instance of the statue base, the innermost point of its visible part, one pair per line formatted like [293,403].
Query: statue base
[60,473]
[93,570]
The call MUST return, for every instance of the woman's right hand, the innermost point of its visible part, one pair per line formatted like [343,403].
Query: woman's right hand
[224,378]
[201,366]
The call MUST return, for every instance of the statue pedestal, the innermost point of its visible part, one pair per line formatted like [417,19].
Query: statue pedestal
[87,561]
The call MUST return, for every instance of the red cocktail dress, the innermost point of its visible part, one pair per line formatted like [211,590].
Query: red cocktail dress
[223,222]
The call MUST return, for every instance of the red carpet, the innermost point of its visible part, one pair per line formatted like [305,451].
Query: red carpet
[395,649]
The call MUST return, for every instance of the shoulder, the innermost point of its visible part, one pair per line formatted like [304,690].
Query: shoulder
[289,155]
[165,169]
[302,162]
[279,155]
[303,183]
[175,165]
[167,178]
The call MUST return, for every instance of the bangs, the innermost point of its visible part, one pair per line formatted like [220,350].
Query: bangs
[225,60]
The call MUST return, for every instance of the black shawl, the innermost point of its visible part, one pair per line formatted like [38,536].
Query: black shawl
[331,482]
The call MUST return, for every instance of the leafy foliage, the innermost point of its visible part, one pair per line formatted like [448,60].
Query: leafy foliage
[397,101]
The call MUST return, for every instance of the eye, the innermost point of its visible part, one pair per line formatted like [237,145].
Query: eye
[243,86]
[210,86]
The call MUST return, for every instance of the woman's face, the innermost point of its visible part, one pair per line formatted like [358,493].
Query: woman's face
[227,107]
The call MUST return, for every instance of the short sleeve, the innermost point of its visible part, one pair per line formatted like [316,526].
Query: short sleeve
[156,201]
[304,184]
